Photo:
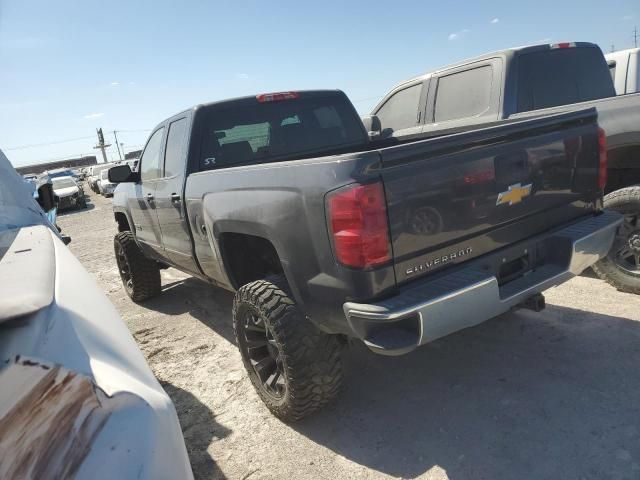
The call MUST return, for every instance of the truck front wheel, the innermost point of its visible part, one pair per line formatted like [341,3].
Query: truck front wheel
[140,276]
[621,267]
[295,368]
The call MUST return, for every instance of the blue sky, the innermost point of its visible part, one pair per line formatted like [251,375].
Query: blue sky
[68,67]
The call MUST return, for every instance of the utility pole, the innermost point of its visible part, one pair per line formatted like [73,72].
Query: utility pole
[117,144]
[101,145]
[635,36]
[613,48]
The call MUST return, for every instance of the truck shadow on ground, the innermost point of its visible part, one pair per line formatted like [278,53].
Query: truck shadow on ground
[72,211]
[525,395]
[199,428]
[210,305]
[551,395]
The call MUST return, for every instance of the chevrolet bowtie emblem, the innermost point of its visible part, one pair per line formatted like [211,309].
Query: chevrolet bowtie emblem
[514,194]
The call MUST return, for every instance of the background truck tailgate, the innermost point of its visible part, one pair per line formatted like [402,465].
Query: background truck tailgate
[457,197]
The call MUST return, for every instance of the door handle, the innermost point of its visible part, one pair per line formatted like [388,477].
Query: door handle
[175,197]
[149,197]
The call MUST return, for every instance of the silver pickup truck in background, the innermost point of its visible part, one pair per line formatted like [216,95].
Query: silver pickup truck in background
[528,82]
[624,66]
[77,399]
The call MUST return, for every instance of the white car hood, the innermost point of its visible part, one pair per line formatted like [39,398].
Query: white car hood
[27,271]
[77,399]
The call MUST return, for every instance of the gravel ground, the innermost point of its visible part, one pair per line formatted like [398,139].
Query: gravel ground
[525,395]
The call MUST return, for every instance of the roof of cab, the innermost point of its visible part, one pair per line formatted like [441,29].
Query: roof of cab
[507,52]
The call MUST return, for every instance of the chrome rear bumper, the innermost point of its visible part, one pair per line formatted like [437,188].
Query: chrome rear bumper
[432,308]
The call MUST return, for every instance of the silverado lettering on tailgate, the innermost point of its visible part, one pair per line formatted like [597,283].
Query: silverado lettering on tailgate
[422,267]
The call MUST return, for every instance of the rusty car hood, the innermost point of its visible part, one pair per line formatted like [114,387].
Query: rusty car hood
[77,398]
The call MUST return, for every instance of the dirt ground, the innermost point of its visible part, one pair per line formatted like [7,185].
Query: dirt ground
[526,395]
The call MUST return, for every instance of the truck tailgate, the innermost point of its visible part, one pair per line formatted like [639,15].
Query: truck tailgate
[456,197]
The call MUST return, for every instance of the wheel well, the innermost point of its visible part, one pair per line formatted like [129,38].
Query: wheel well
[624,168]
[248,258]
[123,223]
[621,178]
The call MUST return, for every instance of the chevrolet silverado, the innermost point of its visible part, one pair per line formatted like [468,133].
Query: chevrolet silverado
[325,234]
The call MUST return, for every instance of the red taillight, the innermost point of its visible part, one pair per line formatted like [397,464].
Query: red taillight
[563,45]
[358,222]
[602,159]
[277,97]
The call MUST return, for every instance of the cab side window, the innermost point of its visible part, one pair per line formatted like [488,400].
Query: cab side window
[174,151]
[401,109]
[150,162]
[463,94]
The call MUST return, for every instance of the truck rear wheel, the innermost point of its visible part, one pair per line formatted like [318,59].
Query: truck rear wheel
[295,368]
[621,267]
[140,276]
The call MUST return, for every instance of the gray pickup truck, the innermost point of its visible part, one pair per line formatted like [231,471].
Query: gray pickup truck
[326,235]
[524,82]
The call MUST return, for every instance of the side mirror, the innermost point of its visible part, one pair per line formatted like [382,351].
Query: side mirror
[372,125]
[122,174]
[46,198]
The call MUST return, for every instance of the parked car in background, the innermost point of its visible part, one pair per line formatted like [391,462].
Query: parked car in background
[63,172]
[94,175]
[77,399]
[105,186]
[624,66]
[325,235]
[70,193]
[77,174]
[529,82]
[133,164]
[30,177]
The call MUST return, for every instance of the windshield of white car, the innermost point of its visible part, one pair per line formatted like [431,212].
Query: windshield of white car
[62,182]
[61,173]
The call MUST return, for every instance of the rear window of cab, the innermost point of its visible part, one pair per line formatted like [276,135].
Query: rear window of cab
[271,130]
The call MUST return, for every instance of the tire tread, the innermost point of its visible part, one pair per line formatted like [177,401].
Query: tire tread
[620,200]
[312,359]
[144,272]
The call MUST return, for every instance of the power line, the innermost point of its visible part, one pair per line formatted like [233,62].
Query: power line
[46,144]
[68,140]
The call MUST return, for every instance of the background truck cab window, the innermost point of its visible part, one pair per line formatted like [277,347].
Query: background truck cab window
[560,77]
[463,94]
[174,156]
[150,161]
[401,110]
